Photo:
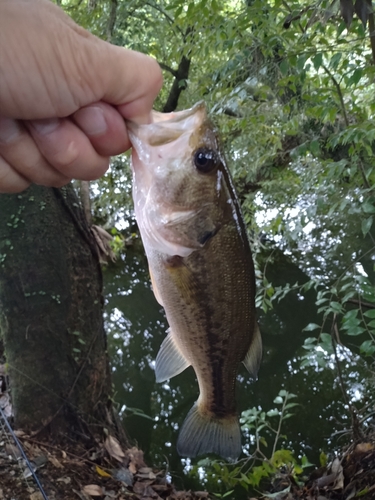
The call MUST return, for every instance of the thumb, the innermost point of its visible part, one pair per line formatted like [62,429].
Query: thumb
[132,81]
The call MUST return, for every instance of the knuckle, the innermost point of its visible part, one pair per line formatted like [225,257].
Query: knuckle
[67,157]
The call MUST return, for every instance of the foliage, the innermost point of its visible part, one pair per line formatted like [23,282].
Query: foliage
[266,460]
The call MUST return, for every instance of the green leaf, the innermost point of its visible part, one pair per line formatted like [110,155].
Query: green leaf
[317,60]
[356,76]
[273,413]
[301,62]
[315,147]
[323,459]
[335,307]
[370,314]
[368,207]
[366,225]
[284,67]
[335,59]
[350,315]
[355,330]
[306,462]
[367,347]
[326,338]
[310,327]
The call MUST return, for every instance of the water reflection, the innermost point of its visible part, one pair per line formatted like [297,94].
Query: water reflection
[136,326]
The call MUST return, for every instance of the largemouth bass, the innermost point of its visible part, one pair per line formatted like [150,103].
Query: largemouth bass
[201,270]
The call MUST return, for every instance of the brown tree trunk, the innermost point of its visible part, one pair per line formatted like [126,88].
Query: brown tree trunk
[51,315]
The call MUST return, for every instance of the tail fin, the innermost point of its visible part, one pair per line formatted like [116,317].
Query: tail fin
[201,434]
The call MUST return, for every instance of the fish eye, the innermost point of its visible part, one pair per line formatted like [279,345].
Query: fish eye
[205,160]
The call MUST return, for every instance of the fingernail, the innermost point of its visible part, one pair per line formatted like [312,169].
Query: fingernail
[91,120]
[45,126]
[9,130]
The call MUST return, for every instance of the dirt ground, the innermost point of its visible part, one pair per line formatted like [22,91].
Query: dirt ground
[108,472]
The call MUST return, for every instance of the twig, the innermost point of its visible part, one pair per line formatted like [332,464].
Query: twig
[279,426]
[362,303]
[339,93]
[169,69]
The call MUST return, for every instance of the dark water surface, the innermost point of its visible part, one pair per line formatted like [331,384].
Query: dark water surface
[136,327]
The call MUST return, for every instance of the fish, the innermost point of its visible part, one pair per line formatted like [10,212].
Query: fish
[201,270]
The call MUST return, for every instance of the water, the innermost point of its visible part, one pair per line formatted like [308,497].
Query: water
[136,327]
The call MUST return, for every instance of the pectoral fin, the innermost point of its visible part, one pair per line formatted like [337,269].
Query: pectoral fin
[169,361]
[254,354]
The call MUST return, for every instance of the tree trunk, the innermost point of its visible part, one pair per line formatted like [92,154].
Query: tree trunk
[51,315]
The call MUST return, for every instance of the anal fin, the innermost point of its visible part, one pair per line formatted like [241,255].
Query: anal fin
[169,361]
[254,354]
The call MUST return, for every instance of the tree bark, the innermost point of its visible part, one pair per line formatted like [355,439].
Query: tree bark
[51,315]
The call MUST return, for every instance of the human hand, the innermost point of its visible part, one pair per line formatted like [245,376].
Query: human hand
[64,94]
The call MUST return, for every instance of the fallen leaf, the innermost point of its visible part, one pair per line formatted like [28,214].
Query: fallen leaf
[162,487]
[114,449]
[140,487]
[94,490]
[132,468]
[147,475]
[81,495]
[338,470]
[110,494]
[102,472]
[65,480]
[55,462]
[13,451]
[36,496]
[363,447]
[145,470]
[136,457]
[27,471]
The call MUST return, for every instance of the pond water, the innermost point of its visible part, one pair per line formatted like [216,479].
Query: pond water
[136,326]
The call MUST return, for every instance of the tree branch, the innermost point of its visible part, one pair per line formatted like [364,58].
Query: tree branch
[169,69]
[371,24]
[339,93]
[362,303]
[178,85]
[111,20]
[168,17]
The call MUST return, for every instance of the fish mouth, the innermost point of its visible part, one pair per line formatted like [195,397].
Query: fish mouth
[178,116]
[168,127]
